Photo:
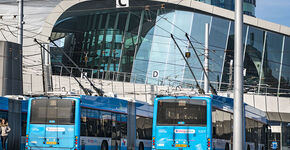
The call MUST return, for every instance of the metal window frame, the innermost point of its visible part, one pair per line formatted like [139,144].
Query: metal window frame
[123,39]
[225,53]
[262,61]
[281,65]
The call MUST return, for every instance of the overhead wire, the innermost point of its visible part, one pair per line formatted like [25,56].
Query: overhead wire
[139,17]
[167,20]
[169,32]
[32,37]
[136,7]
[3,34]
[196,41]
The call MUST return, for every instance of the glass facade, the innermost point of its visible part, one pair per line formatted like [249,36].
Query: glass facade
[248,5]
[137,41]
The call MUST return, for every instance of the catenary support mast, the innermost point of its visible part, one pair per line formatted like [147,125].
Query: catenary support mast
[206,59]
[238,139]
[20,23]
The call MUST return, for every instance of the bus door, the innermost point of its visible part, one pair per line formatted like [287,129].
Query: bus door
[116,131]
[52,123]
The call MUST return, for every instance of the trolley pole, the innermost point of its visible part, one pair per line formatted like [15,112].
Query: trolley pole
[20,23]
[238,138]
[206,59]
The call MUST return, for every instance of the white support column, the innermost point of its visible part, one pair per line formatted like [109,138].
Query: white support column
[20,23]
[206,59]
[238,138]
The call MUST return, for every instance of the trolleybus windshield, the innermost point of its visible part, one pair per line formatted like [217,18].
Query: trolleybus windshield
[52,111]
[181,112]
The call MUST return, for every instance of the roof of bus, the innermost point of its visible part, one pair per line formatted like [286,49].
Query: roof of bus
[116,105]
[104,103]
[4,104]
[225,104]
[144,109]
[108,104]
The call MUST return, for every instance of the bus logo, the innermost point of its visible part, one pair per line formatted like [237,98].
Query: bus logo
[35,129]
[190,131]
[55,129]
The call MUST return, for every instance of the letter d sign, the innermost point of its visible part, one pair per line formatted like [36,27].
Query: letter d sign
[122,3]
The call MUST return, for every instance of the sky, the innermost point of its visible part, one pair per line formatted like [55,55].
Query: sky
[277,11]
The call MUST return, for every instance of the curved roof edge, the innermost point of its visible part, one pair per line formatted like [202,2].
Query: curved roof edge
[203,7]
[224,13]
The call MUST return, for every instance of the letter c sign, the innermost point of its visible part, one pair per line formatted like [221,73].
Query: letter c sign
[122,3]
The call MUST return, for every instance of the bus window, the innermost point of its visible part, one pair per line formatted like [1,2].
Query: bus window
[219,124]
[92,122]
[84,131]
[143,128]
[124,126]
[227,126]
[105,124]
[52,111]
[181,113]
[214,123]
[23,124]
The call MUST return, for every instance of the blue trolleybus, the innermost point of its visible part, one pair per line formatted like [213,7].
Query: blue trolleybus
[88,123]
[203,123]
[14,110]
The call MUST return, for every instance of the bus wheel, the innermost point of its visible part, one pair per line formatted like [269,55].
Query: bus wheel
[227,147]
[248,148]
[104,145]
[141,146]
[262,147]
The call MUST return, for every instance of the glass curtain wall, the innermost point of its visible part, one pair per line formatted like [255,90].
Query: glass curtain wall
[285,68]
[248,5]
[253,57]
[138,42]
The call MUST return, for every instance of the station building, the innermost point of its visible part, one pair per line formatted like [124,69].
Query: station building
[133,44]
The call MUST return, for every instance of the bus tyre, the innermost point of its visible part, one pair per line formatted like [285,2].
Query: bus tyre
[104,145]
[248,148]
[141,146]
[227,147]
[262,148]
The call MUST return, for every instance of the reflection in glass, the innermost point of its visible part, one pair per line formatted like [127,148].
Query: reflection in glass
[285,75]
[106,45]
[253,57]
[271,63]
[217,44]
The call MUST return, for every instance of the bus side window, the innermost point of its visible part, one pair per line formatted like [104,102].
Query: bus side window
[106,124]
[139,127]
[92,123]
[214,123]
[124,126]
[118,125]
[219,124]
[227,126]
[23,124]
[148,129]
[84,122]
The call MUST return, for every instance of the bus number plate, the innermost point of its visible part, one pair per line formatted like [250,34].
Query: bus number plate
[52,143]
[180,145]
